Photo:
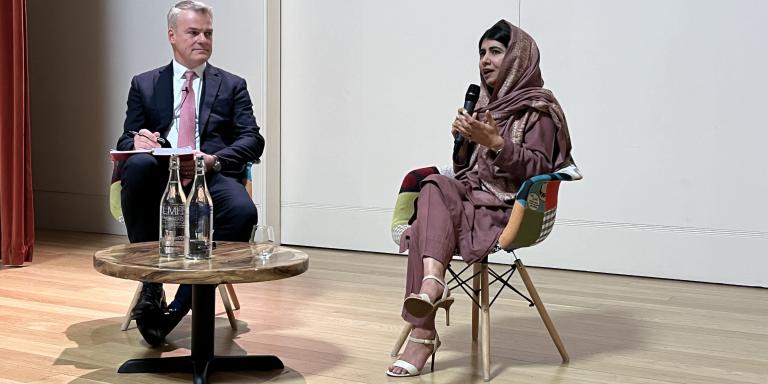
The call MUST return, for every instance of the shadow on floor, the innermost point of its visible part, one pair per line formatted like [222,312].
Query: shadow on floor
[102,347]
[521,340]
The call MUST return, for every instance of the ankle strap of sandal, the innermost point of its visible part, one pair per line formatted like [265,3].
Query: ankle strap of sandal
[423,341]
[435,278]
[446,291]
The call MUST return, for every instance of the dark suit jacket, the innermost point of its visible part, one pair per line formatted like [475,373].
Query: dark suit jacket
[225,119]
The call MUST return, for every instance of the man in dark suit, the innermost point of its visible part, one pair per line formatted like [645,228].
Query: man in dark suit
[186,103]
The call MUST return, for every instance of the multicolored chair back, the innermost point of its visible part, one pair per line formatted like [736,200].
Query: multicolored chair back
[406,198]
[533,214]
[535,208]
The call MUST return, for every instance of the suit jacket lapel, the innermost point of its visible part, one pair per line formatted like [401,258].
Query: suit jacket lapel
[211,83]
[163,99]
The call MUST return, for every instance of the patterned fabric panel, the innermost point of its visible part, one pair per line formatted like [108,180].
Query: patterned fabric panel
[540,209]
[546,225]
[405,203]
[537,197]
[542,196]
[115,186]
[404,209]
[397,232]
[530,229]
[568,173]
[115,205]
[412,181]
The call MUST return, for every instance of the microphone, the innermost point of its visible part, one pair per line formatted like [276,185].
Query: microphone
[470,99]
[184,94]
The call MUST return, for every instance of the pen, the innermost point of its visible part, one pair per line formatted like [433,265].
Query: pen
[134,133]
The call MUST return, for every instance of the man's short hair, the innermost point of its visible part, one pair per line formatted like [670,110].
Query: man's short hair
[188,5]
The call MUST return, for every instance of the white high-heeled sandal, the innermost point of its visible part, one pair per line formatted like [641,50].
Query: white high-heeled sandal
[420,305]
[411,370]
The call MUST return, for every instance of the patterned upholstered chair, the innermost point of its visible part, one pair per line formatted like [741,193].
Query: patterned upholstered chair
[226,291]
[531,221]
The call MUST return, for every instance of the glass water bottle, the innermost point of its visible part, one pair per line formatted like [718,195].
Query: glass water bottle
[199,212]
[172,207]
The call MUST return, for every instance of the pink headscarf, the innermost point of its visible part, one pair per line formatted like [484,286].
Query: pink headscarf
[522,91]
[517,105]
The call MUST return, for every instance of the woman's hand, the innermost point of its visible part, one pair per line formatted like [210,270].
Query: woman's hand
[483,133]
[456,122]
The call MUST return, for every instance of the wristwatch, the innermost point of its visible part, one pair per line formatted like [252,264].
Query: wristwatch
[216,164]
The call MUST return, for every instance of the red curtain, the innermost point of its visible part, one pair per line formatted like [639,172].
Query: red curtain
[17,224]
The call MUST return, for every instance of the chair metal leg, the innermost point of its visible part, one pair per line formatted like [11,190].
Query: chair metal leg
[228,306]
[542,311]
[401,339]
[233,296]
[127,318]
[486,318]
[475,291]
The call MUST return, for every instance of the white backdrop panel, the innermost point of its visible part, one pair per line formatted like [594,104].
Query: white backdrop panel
[661,97]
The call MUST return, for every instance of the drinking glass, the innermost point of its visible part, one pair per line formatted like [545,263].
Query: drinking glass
[263,240]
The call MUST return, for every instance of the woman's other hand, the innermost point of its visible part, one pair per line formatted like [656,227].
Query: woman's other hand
[483,133]
[461,125]
[455,127]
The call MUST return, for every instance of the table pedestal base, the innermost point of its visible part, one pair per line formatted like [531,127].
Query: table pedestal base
[201,369]
[202,362]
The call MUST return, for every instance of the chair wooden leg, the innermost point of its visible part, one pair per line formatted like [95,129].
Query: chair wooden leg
[127,318]
[401,339]
[228,307]
[542,311]
[233,296]
[486,318]
[136,295]
[475,307]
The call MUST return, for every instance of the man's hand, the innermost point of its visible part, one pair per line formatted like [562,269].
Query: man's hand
[146,139]
[207,159]
[187,167]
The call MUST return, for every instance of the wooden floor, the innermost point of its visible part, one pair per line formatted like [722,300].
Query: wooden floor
[60,323]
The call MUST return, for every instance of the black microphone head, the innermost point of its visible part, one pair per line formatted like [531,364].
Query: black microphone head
[470,99]
[473,93]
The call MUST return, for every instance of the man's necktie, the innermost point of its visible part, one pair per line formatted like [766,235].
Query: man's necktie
[188,110]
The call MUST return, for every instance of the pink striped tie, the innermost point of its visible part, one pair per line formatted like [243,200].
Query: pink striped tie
[187,117]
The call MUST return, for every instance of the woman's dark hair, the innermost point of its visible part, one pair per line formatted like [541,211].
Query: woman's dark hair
[499,32]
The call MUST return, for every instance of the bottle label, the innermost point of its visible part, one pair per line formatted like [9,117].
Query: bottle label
[172,230]
[173,211]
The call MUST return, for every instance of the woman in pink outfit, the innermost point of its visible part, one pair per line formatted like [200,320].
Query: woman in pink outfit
[518,131]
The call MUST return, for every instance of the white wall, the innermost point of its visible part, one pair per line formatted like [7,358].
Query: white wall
[662,98]
[83,55]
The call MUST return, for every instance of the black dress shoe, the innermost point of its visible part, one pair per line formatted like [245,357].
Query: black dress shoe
[151,327]
[154,326]
[148,313]
[172,317]
[150,301]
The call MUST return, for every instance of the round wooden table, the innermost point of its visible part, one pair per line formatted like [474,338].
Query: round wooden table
[231,262]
